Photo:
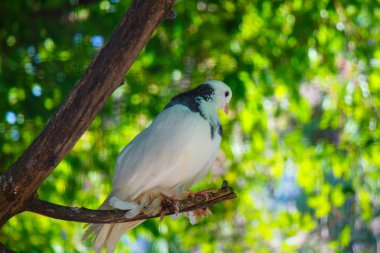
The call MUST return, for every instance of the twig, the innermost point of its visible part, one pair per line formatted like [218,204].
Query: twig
[81,214]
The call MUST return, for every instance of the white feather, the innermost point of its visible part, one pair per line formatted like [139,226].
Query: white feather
[172,154]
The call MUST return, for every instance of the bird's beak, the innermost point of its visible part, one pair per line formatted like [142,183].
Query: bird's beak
[226,108]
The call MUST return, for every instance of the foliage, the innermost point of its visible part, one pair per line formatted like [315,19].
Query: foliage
[300,145]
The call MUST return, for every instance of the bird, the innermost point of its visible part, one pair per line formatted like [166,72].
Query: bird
[162,162]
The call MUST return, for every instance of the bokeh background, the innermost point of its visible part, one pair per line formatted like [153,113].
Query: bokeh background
[301,142]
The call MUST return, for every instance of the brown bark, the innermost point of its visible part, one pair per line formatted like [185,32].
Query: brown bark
[19,184]
[80,214]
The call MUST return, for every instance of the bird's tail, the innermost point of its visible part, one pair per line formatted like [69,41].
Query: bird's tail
[108,235]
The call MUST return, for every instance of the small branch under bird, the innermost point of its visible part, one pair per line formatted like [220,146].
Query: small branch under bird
[159,166]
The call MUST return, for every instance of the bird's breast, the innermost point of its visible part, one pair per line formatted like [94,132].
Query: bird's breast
[196,159]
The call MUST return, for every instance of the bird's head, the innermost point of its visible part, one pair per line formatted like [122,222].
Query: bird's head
[222,94]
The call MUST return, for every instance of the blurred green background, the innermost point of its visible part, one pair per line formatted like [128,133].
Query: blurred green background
[301,142]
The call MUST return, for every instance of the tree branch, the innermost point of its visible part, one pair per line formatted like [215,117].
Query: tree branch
[67,125]
[81,214]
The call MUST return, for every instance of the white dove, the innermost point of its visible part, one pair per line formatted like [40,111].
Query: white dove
[175,152]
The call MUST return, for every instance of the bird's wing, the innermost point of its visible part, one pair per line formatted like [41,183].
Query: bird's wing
[172,150]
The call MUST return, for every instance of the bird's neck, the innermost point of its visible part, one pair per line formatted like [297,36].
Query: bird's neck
[208,110]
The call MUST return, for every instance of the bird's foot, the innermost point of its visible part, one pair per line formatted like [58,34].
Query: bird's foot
[149,204]
[198,214]
[169,205]
[204,193]
[162,205]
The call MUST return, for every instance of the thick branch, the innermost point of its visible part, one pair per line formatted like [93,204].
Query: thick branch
[72,119]
[81,214]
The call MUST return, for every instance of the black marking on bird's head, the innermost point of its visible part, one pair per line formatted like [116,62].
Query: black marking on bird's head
[204,91]
[215,91]
[193,98]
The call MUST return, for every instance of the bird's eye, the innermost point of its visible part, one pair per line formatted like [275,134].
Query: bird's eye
[226,94]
